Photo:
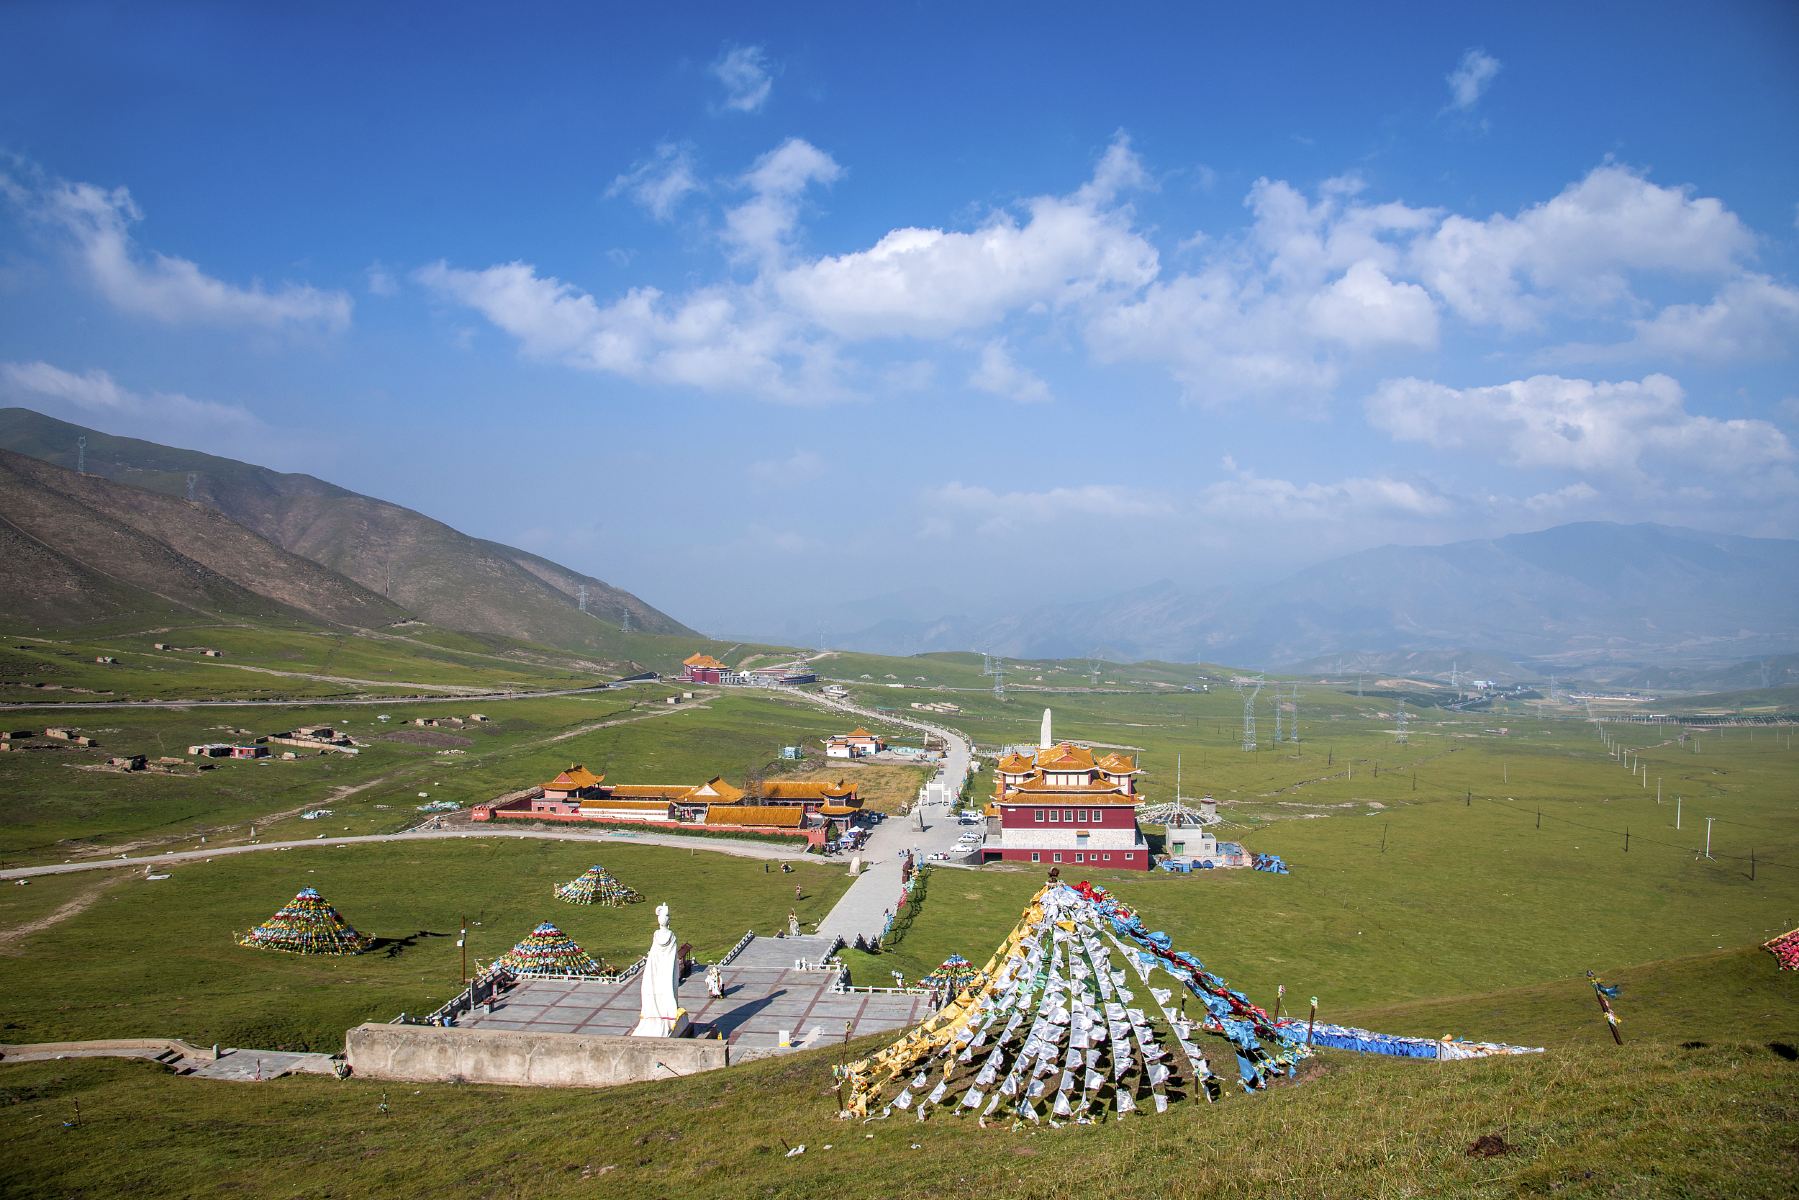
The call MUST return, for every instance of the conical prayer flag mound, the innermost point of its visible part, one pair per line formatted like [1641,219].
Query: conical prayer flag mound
[1054,1030]
[306,925]
[953,975]
[596,885]
[549,951]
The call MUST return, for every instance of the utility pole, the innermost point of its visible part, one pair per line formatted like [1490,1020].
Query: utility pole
[1677,812]
[462,944]
[1708,837]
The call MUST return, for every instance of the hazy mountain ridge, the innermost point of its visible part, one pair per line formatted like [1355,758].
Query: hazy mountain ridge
[1575,595]
[431,570]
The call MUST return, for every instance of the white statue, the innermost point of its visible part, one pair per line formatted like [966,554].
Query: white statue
[1043,742]
[661,1014]
[855,865]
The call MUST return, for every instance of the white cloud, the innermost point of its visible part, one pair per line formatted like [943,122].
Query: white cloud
[1006,512]
[1576,424]
[716,339]
[95,394]
[1579,247]
[1751,317]
[999,375]
[1561,499]
[1469,81]
[380,280]
[1252,498]
[659,182]
[931,283]
[745,73]
[761,227]
[97,221]
[1364,308]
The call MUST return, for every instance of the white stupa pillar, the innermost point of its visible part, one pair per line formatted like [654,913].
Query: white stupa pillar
[1043,742]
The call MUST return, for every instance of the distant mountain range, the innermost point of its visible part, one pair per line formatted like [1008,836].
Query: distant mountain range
[1576,595]
[124,536]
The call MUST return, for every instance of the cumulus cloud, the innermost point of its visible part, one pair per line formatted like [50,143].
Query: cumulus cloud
[1751,317]
[1261,315]
[761,227]
[1469,81]
[94,394]
[932,283]
[1579,247]
[659,182]
[1620,428]
[999,375]
[97,223]
[745,73]
[713,339]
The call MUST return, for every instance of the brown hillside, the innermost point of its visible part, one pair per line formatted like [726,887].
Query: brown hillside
[81,548]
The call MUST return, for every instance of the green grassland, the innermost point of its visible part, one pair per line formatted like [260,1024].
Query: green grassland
[51,811]
[1701,1110]
[274,662]
[1460,883]
[156,958]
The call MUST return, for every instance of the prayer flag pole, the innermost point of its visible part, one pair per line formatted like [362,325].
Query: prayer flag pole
[1312,1020]
[1605,992]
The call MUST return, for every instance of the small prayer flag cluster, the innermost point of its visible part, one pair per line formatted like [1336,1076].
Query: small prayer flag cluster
[596,885]
[547,950]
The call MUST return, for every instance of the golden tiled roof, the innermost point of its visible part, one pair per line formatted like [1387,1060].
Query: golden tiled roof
[575,777]
[609,802]
[1065,757]
[1015,764]
[840,810]
[703,660]
[1118,764]
[778,816]
[716,791]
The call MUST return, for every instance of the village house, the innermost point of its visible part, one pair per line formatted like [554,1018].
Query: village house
[1061,804]
[858,743]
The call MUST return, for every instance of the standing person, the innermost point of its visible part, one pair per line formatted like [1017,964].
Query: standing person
[797,894]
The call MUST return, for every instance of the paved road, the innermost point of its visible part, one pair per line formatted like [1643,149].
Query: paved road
[745,849]
[862,911]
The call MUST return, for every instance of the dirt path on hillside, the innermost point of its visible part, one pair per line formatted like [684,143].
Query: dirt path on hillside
[80,903]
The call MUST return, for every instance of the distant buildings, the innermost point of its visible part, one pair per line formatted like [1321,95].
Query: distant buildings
[858,743]
[813,809]
[703,668]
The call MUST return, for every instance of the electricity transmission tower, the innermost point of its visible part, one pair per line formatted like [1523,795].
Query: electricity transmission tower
[999,682]
[1249,714]
[81,455]
[581,597]
[1293,724]
[624,625]
[1278,738]
[1399,727]
[193,481]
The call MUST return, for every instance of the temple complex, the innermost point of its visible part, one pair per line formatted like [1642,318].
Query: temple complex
[1061,804]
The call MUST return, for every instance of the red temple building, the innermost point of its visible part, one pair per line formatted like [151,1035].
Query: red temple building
[1060,804]
[703,668]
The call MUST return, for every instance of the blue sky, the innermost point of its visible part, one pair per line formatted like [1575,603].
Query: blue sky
[764,315]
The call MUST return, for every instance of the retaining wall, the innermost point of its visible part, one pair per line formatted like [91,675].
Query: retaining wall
[424,1053]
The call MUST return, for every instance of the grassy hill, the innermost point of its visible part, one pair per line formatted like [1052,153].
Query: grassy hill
[435,572]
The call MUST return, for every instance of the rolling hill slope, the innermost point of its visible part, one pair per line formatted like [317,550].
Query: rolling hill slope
[435,572]
[77,548]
